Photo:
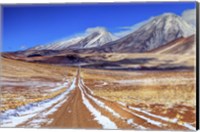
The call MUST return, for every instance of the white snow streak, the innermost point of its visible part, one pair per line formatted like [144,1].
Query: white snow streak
[82,82]
[189,126]
[104,121]
[102,105]
[145,118]
[43,116]
[130,121]
[14,117]
[59,87]
[175,120]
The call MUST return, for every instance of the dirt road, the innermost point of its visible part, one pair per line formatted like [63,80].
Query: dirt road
[73,113]
[80,108]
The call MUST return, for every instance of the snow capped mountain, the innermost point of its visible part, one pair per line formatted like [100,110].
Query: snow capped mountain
[97,37]
[165,34]
[171,23]
[157,32]
[93,37]
[103,37]
[58,45]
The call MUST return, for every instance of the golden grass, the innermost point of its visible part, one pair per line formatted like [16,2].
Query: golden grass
[11,101]
[166,96]
[20,69]
[175,87]
[17,69]
[173,92]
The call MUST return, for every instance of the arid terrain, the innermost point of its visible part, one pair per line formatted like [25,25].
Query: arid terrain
[43,95]
[143,79]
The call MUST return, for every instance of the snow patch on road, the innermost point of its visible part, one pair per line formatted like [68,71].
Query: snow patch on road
[101,104]
[130,121]
[43,116]
[189,126]
[82,82]
[104,121]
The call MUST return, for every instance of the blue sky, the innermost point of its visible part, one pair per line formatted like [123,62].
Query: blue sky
[25,26]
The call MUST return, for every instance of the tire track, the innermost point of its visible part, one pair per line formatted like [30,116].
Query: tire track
[80,108]
[148,118]
[74,113]
[106,111]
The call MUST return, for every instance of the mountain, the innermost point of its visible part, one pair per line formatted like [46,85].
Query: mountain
[157,32]
[165,34]
[58,45]
[94,37]
[181,46]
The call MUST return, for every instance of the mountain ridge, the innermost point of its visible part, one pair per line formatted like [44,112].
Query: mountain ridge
[159,31]
[93,37]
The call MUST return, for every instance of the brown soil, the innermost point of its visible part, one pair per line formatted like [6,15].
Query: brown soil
[74,114]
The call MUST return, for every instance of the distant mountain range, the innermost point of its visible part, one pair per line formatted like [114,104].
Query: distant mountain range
[95,38]
[164,34]
[157,32]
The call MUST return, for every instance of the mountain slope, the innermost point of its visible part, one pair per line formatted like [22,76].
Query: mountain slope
[94,37]
[178,46]
[159,31]
[97,38]
[58,45]
[167,34]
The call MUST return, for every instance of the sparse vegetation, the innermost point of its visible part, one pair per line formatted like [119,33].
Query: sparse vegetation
[166,93]
[168,88]
[15,96]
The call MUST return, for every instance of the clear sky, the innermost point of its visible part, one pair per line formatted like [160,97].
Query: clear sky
[25,26]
